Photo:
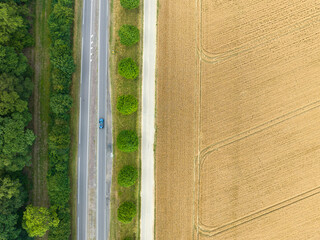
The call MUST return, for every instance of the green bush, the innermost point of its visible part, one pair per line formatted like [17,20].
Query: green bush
[130,4]
[127,176]
[60,103]
[128,69]
[126,212]
[127,141]
[129,35]
[127,104]
[128,238]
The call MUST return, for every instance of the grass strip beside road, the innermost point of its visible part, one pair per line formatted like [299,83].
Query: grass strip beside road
[40,109]
[74,114]
[121,86]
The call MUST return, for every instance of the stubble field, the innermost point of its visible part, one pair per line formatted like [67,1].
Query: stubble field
[238,120]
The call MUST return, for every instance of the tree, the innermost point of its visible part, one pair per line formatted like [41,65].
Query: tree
[128,69]
[38,220]
[59,188]
[130,4]
[129,35]
[127,104]
[59,136]
[63,230]
[60,103]
[126,212]
[127,141]
[15,142]
[10,21]
[11,62]
[61,20]
[8,226]
[12,197]
[9,189]
[61,57]
[127,176]
[9,99]
[60,81]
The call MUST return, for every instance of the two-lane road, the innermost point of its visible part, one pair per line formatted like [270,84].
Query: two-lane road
[103,147]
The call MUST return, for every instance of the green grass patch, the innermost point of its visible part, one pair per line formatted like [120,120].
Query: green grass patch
[74,121]
[120,87]
[41,108]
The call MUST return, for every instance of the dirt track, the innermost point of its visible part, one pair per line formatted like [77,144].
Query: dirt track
[238,120]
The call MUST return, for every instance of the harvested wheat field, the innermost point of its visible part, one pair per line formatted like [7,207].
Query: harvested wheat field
[238,120]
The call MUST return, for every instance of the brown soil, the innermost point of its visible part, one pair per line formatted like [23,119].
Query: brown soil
[238,120]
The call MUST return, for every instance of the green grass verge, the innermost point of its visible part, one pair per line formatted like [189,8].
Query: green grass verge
[121,86]
[75,91]
[40,109]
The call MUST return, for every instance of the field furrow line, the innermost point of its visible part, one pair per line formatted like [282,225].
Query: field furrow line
[215,146]
[209,231]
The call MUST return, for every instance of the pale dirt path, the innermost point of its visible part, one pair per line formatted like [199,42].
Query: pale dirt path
[148,118]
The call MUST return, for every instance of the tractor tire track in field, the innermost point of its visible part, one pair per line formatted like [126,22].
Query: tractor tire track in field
[202,154]
[273,122]
[210,231]
[260,40]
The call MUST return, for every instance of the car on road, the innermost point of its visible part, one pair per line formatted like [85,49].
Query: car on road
[101,123]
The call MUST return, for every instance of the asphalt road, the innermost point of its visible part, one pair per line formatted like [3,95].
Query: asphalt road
[104,141]
[148,118]
[84,123]
[105,154]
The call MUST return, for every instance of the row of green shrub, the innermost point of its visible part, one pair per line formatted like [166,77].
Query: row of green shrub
[62,66]
[15,138]
[127,140]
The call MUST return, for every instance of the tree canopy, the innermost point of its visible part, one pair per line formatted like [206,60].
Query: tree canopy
[127,104]
[128,68]
[129,35]
[130,4]
[127,141]
[12,197]
[128,176]
[10,21]
[15,142]
[126,212]
[11,62]
[60,103]
[38,220]
[61,57]
[10,100]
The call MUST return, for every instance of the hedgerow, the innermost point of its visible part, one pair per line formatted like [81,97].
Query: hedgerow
[127,104]
[129,35]
[128,69]
[60,27]
[127,141]
[126,212]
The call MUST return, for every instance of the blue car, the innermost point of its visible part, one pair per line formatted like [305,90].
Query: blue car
[101,123]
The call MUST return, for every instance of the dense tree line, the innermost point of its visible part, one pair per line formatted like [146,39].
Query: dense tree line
[60,27]
[15,138]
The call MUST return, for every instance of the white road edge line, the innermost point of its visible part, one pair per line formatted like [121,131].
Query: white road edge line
[78,182]
[97,215]
[78,230]
[89,88]
[78,226]
[80,123]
